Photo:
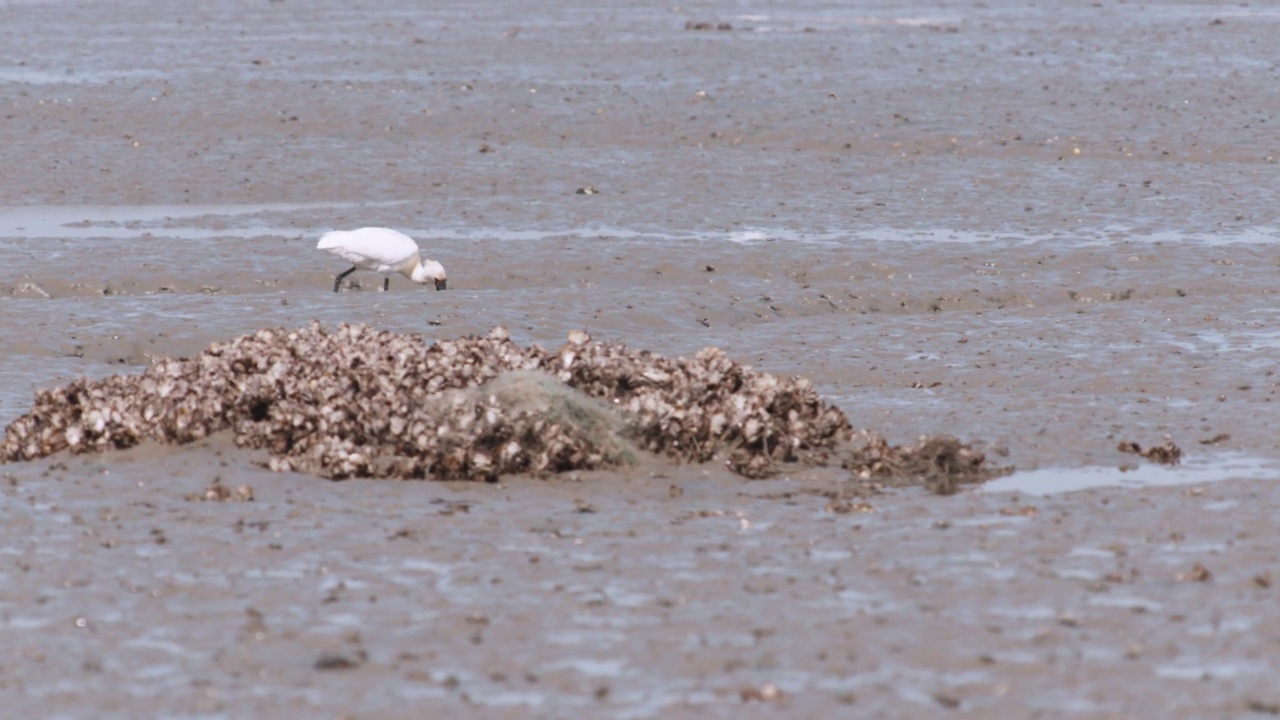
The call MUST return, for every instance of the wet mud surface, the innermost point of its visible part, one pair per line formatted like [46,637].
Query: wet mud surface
[1048,231]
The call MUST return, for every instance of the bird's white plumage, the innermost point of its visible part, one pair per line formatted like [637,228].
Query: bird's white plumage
[382,250]
[371,248]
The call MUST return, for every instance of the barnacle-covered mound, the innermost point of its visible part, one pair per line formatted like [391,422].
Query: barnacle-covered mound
[361,402]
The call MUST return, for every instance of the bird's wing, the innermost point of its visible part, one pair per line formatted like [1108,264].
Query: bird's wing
[369,246]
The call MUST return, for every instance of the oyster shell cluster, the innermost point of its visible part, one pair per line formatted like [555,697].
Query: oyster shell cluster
[357,402]
[940,463]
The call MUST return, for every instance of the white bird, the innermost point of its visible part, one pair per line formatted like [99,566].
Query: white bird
[381,250]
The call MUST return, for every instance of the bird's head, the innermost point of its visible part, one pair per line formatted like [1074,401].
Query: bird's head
[431,271]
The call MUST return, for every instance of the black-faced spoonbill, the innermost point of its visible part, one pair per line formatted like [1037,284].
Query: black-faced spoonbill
[381,250]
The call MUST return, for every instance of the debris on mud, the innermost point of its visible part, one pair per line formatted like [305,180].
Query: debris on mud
[704,26]
[338,661]
[1197,573]
[765,693]
[1262,706]
[1166,454]
[844,507]
[940,462]
[217,492]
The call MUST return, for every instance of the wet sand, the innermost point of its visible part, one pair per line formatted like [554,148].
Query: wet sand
[1044,230]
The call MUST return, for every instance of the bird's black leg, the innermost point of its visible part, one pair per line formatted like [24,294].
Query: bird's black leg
[386,283]
[338,281]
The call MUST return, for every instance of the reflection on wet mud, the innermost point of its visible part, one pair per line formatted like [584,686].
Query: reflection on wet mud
[1204,468]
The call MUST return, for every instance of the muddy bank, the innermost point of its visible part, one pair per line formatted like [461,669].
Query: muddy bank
[1051,228]
[661,590]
